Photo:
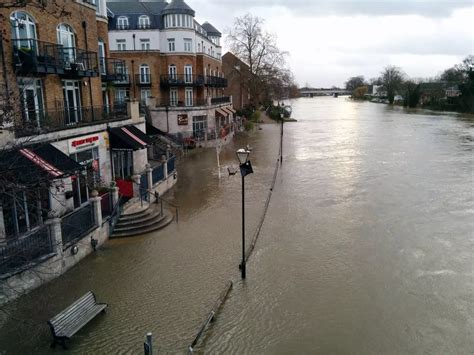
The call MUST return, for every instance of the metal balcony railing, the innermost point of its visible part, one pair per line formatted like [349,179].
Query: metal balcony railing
[124,80]
[31,56]
[78,62]
[38,121]
[179,103]
[181,80]
[216,81]
[220,100]
[143,79]
[112,69]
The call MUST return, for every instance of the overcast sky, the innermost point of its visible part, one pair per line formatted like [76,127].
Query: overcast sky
[332,40]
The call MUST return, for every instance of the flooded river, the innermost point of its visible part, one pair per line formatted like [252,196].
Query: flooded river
[367,248]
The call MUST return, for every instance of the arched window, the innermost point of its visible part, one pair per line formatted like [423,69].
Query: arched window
[144,21]
[23,30]
[145,77]
[67,39]
[122,23]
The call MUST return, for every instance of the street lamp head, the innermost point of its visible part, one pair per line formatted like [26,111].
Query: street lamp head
[243,155]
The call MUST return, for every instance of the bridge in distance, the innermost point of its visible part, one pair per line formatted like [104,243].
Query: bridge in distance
[310,92]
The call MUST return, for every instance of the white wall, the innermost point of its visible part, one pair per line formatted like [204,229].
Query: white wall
[152,35]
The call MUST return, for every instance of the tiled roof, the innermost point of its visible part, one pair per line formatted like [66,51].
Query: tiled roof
[210,29]
[178,7]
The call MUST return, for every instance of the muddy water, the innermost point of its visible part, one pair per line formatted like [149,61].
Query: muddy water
[368,247]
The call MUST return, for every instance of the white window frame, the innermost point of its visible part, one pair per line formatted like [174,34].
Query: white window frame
[188,74]
[188,45]
[171,45]
[145,44]
[121,44]
[188,97]
[173,97]
[145,74]
[144,22]
[122,23]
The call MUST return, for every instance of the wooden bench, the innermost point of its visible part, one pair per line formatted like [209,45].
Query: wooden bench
[67,323]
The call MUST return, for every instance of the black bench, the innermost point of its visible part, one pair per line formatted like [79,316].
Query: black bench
[67,323]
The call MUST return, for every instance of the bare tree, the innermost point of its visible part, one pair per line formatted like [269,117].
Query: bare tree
[392,78]
[355,82]
[257,48]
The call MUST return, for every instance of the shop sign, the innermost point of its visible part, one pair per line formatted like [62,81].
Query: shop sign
[83,143]
[183,120]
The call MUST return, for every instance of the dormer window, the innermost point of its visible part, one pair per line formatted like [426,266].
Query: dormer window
[122,23]
[143,22]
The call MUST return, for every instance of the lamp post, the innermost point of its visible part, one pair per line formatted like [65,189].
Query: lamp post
[281,140]
[245,169]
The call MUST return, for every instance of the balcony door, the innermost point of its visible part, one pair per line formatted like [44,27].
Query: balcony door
[67,39]
[72,102]
[188,74]
[144,74]
[172,72]
[31,93]
[102,63]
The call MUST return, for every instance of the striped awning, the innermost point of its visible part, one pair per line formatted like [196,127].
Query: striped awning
[231,109]
[129,138]
[222,112]
[226,109]
[33,163]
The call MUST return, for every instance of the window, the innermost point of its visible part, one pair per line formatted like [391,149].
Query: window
[23,29]
[31,94]
[172,71]
[171,45]
[67,39]
[72,101]
[122,23]
[120,95]
[199,127]
[122,163]
[173,97]
[188,96]
[121,45]
[122,69]
[173,20]
[102,62]
[145,44]
[188,44]
[188,74]
[145,77]
[145,94]
[144,22]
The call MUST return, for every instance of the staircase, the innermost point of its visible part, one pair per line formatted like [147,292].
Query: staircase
[144,221]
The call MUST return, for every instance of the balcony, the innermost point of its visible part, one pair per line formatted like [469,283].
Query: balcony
[31,56]
[112,69]
[215,81]
[124,81]
[143,80]
[78,62]
[171,103]
[220,100]
[35,122]
[176,80]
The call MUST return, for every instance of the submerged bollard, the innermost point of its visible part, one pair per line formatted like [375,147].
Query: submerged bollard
[148,344]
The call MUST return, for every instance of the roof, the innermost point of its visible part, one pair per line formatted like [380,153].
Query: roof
[178,7]
[129,138]
[210,29]
[133,10]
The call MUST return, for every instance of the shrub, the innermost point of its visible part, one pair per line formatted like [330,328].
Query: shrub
[248,125]
[255,116]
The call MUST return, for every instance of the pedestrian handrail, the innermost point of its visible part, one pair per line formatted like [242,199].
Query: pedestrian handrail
[215,308]
[115,215]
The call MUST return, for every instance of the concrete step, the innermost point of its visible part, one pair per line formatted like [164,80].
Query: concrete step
[139,219]
[168,218]
[136,215]
[138,225]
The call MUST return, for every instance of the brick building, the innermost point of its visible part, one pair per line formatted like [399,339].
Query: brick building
[173,66]
[237,74]
[66,136]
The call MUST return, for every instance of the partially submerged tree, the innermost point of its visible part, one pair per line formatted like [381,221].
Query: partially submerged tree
[392,79]
[412,94]
[355,82]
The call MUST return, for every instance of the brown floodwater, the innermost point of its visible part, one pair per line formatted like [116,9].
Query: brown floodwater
[367,247]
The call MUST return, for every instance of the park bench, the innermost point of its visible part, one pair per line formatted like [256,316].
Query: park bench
[68,322]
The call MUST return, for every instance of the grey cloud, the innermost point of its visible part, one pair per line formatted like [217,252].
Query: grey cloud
[441,8]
